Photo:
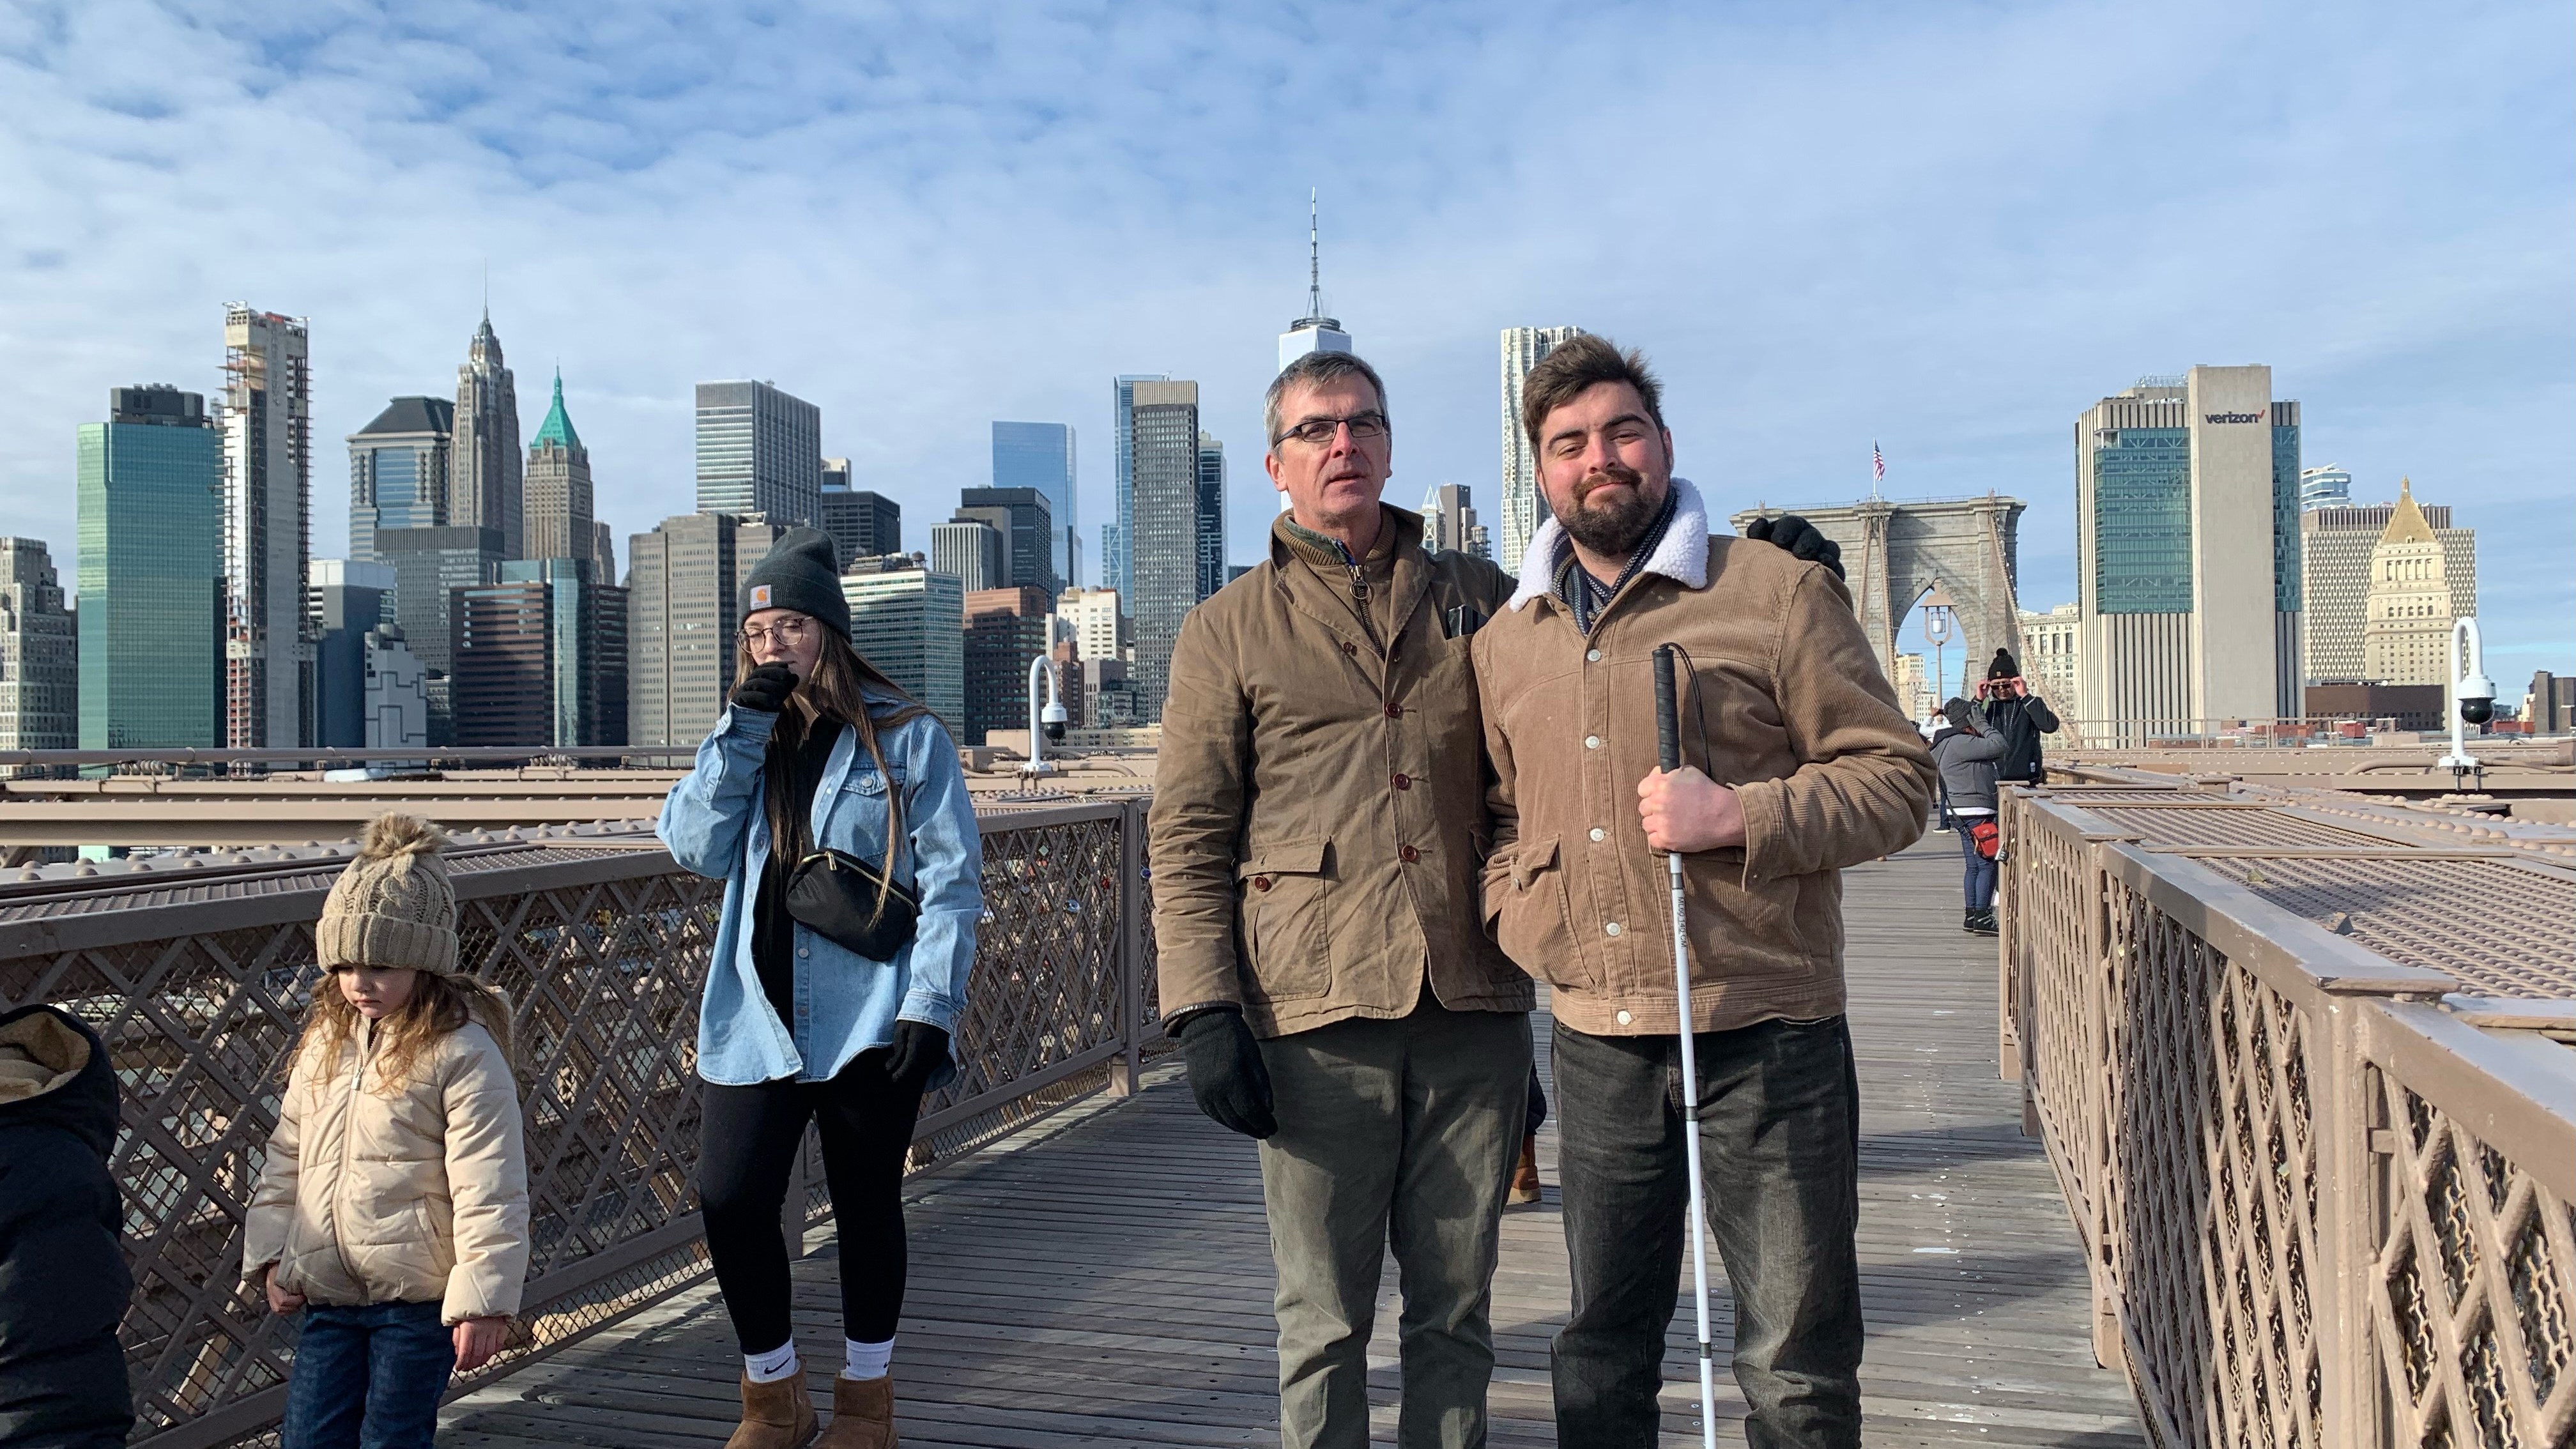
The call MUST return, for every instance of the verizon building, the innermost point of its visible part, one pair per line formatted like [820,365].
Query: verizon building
[2187,547]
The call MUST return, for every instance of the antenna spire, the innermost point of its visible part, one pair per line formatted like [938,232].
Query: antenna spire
[1314,260]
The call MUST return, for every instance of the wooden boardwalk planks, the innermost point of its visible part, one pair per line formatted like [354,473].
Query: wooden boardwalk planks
[1106,1279]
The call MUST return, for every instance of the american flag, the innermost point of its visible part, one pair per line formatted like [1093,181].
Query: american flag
[1877,465]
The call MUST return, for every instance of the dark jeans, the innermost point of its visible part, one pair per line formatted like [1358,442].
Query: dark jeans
[368,1378]
[752,1135]
[1780,1155]
[1980,881]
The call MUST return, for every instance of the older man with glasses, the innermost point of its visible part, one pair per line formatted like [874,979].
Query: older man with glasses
[1317,832]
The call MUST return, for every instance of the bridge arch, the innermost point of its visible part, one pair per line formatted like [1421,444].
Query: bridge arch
[1894,553]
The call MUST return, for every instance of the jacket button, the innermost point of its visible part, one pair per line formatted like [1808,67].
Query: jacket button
[1404,782]
[1349,648]
[801,951]
[1610,929]
[1625,1018]
[1394,710]
[1600,834]
[1410,854]
[1591,656]
[1592,742]
[1261,882]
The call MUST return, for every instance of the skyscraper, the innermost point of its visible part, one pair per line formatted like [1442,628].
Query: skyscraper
[2335,545]
[398,471]
[1449,522]
[268,529]
[1006,630]
[529,656]
[1211,510]
[1117,549]
[1026,523]
[683,608]
[2052,655]
[759,451]
[1313,332]
[2187,549]
[1040,456]
[484,488]
[909,620]
[1090,617]
[430,565]
[1166,558]
[39,654]
[397,697]
[862,524]
[2325,486]
[150,498]
[350,599]
[968,550]
[558,489]
[2411,600]
[1523,508]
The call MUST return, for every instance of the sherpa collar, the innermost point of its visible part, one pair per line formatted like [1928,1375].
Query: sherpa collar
[1681,557]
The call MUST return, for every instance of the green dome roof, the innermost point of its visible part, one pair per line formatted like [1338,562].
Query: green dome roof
[557,428]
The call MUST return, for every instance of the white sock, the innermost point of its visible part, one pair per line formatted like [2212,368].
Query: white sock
[866,1360]
[769,1368]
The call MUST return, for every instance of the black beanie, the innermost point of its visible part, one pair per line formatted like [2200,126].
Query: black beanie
[2003,667]
[799,572]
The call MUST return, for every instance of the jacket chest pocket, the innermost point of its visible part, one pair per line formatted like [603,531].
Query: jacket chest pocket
[1534,925]
[1287,919]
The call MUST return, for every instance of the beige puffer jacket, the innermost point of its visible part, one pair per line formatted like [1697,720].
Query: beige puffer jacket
[401,1198]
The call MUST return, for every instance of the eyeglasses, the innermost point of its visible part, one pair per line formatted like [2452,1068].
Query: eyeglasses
[789,632]
[1318,432]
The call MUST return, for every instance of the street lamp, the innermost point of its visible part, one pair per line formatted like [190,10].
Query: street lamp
[1940,622]
[1044,724]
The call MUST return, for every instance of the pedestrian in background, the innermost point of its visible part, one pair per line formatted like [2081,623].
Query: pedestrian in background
[393,1207]
[831,805]
[2019,716]
[1967,753]
[63,1280]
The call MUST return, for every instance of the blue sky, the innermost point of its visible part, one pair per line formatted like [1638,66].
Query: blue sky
[1948,228]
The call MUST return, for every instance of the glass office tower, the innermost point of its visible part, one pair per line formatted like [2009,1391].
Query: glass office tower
[149,493]
[1040,456]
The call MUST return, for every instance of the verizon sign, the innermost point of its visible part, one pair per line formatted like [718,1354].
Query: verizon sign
[2232,417]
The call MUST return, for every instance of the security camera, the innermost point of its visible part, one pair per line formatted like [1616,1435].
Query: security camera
[1054,718]
[2477,699]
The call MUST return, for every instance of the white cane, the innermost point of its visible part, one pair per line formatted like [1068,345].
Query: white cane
[1668,749]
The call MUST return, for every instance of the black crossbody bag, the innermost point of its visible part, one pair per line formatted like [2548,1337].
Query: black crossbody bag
[835,893]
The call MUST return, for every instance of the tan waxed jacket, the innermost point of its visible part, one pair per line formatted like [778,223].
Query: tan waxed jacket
[420,1194]
[1318,829]
[1791,709]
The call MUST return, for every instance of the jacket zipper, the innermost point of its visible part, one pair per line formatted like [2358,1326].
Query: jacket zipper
[340,1181]
[1360,602]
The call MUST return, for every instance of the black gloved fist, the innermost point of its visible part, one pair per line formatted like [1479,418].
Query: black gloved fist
[918,1050]
[765,689]
[1226,1072]
[1800,538]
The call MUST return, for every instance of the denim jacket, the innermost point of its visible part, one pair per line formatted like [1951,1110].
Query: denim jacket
[845,1004]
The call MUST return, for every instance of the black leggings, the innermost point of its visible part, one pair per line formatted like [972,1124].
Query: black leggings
[751,1135]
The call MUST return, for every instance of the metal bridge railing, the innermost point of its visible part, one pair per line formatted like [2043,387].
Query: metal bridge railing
[199,990]
[2322,1204]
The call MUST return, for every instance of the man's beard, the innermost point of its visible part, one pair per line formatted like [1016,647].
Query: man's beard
[1614,529]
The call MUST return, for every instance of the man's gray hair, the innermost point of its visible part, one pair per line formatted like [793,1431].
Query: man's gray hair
[1314,369]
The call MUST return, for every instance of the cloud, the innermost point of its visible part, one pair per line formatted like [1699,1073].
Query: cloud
[1948,229]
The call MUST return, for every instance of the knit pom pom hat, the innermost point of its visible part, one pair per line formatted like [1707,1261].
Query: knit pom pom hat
[394,905]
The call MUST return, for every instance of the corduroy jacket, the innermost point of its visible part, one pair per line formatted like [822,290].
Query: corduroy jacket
[1319,822]
[1782,698]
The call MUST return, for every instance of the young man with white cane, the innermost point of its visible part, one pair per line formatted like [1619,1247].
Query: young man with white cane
[1795,762]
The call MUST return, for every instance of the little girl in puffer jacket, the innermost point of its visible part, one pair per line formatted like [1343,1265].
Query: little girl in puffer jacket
[394,1205]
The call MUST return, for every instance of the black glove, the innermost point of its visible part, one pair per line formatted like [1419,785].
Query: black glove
[1226,1072]
[1800,538]
[918,1050]
[765,689]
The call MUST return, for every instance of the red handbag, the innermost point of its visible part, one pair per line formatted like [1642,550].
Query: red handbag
[1988,836]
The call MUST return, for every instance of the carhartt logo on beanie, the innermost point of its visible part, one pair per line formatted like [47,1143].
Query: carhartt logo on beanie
[394,905]
[799,572]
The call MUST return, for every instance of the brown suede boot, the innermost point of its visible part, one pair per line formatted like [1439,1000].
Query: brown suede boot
[862,1415]
[1525,1177]
[774,1415]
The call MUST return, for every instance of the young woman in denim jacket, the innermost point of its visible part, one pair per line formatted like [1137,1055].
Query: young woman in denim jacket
[819,750]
